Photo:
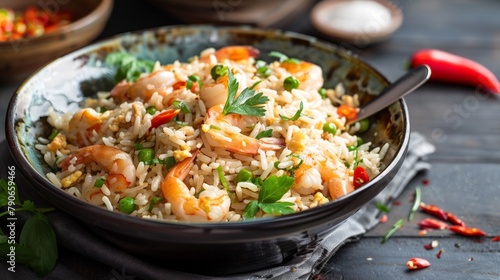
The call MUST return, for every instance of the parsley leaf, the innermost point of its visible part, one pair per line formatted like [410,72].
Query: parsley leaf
[247,103]
[265,133]
[181,105]
[272,190]
[129,67]
[294,117]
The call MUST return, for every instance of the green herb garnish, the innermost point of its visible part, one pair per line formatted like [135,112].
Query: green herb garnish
[222,178]
[181,105]
[247,103]
[397,225]
[129,66]
[155,200]
[294,117]
[382,207]
[416,203]
[99,182]
[265,133]
[53,134]
[272,190]
[284,58]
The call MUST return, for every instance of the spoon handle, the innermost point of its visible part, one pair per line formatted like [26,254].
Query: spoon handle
[404,85]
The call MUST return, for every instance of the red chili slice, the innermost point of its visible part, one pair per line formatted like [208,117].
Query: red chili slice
[164,117]
[466,231]
[417,263]
[360,177]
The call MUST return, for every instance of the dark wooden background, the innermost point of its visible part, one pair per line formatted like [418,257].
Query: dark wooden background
[465,173]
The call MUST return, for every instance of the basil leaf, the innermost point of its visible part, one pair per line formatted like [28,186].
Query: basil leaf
[251,210]
[28,205]
[279,207]
[274,188]
[23,253]
[37,235]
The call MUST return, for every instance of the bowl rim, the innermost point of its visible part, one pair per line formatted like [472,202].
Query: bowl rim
[104,7]
[228,230]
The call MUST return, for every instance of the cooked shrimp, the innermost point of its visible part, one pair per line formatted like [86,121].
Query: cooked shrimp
[321,167]
[160,81]
[309,75]
[211,205]
[226,131]
[82,126]
[234,53]
[216,93]
[118,164]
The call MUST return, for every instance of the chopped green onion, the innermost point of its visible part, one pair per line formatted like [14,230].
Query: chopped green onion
[397,225]
[222,178]
[146,155]
[99,182]
[330,128]
[359,141]
[244,176]
[322,92]
[352,148]
[265,133]
[382,207]
[290,83]
[151,110]
[169,162]
[126,205]
[218,71]
[284,58]
[294,117]
[154,201]
[137,146]
[102,110]
[260,63]
[214,127]
[181,124]
[53,134]
[181,105]
[264,71]
[416,204]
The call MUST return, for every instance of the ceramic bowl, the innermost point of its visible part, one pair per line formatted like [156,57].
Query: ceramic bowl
[21,57]
[239,246]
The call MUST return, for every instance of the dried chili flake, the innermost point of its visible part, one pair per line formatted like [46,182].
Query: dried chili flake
[396,203]
[417,263]
[425,182]
[431,245]
[466,231]
[422,232]
[434,210]
[438,255]
[496,239]
[429,223]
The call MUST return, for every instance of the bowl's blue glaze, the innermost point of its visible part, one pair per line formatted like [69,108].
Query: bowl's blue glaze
[243,246]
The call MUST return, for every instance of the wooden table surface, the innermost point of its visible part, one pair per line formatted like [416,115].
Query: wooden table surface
[459,121]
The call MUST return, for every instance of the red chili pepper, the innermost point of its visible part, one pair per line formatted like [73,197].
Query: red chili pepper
[451,68]
[429,223]
[383,219]
[466,231]
[349,112]
[454,219]
[496,239]
[417,263]
[360,177]
[164,117]
[434,210]
[438,255]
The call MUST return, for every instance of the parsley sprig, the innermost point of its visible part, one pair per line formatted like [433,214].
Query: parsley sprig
[37,245]
[272,190]
[129,66]
[248,103]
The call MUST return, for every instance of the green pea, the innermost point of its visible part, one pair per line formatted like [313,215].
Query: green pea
[218,70]
[99,182]
[364,124]
[330,128]
[291,83]
[126,205]
[146,155]
[151,110]
[322,92]
[244,176]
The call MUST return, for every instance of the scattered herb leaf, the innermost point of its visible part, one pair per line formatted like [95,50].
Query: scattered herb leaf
[129,66]
[247,103]
[265,133]
[296,116]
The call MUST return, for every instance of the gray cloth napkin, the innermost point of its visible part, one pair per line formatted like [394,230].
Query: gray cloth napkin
[75,239]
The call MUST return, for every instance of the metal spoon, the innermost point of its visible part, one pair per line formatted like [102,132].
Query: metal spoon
[404,85]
